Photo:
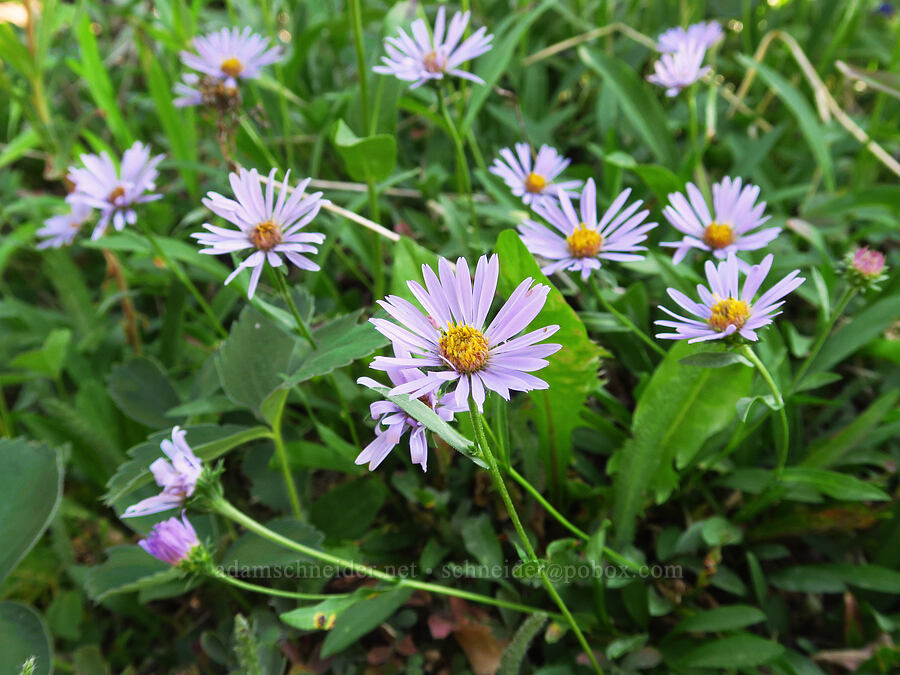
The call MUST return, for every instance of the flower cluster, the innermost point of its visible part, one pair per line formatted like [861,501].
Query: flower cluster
[681,61]
[101,185]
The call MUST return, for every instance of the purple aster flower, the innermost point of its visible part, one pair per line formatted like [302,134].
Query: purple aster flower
[705,34]
[536,182]
[451,342]
[724,309]
[171,540]
[680,69]
[392,422]
[270,226]
[60,230]
[229,55]
[427,57]
[114,191]
[583,241]
[177,477]
[727,230]
[188,91]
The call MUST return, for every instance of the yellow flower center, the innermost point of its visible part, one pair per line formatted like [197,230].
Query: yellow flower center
[718,235]
[464,347]
[535,182]
[115,194]
[432,65]
[266,235]
[728,312]
[584,242]
[232,67]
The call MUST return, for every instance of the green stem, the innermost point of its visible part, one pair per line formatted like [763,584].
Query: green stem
[286,294]
[693,121]
[462,166]
[625,321]
[184,279]
[247,586]
[782,441]
[823,336]
[356,22]
[531,556]
[223,507]
[281,452]
[6,422]
[562,520]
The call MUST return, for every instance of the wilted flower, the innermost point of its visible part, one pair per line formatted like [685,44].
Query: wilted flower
[724,310]
[392,422]
[680,69]
[177,477]
[427,56]
[60,230]
[735,214]
[451,343]
[584,241]
[532,183]
[705,34]
[115,190]
[269,226]
[229,55]
[171,541]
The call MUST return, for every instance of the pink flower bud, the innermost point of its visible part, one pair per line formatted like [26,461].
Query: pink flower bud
[868,262]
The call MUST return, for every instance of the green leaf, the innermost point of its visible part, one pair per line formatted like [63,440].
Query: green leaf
[730,617]
[502,52]
[127,569]
[177,123]
[717,531]
[23,635]
[572,373]
[869,577]
[714,360]
[50,358]
[514,654]
[323,615]
[362,618]
[640,107]
[252,361]
[408,260]
[739,651]
[207,441]
[31,485]
[421,412]
[95,75]
[869,324]
[801,109]
[143,391]
[481,540]
[808,579]
[371,158]
[678,410]
[341,341]
[346,511]
[834,484]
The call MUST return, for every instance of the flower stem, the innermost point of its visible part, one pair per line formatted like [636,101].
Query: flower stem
[356,22]
[223,507]
[625,321]
[184,279]
[129,315]
[286,294]
[247,586]
[531,556]
[782,441]
[823,336]
[281,452]
[462,167]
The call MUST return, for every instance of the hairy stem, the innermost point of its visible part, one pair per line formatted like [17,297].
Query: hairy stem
[782,440]
[225,508]
[531,556]
[247,586]
[823,336]
[286,294]
[462,167]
